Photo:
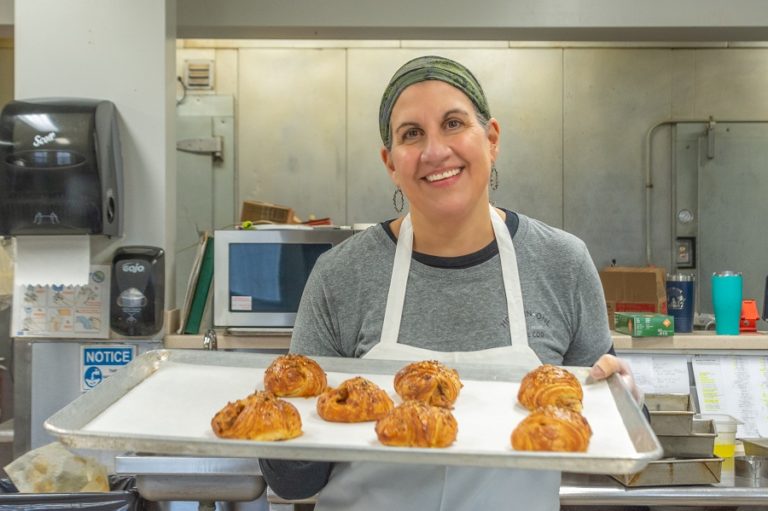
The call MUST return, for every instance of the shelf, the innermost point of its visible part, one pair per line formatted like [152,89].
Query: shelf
[697,341]
[226,341]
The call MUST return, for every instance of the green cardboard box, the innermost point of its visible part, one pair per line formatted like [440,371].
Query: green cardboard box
[645,324]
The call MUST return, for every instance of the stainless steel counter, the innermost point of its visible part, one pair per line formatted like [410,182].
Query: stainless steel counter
[592,490]
[183,478]
[575,490]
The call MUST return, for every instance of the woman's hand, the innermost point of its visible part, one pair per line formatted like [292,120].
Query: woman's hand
[607,365]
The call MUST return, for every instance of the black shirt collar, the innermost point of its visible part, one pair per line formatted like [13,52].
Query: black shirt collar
[465,261]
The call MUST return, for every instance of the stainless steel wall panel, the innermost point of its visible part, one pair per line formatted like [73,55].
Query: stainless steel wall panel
[292,129]
[574,125]
[729,84]
[369,192]
[524,89]
[612,98]
[733,209]
[206,198]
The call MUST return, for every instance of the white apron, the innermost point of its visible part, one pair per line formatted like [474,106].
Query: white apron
[390,486]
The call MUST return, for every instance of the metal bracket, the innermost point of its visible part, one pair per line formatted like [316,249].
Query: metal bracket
[711,138]
[213,146]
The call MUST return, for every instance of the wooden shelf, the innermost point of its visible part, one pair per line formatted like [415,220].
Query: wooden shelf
[696,341]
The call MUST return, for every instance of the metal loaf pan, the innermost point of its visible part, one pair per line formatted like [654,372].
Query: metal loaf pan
[700,443]
[751,467]
[675,472]
[755,446]
[163,401]
[671,414]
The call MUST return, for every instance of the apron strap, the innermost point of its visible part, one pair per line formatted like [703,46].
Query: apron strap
[390,330]
[511,277]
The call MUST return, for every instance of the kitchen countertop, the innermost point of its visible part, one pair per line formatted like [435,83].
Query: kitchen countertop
[584,490]
[575,490]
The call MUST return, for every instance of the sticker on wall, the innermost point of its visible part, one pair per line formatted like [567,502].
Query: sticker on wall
[100,361]
[61,311]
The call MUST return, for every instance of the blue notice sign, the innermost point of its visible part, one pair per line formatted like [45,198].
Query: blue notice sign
[99,361]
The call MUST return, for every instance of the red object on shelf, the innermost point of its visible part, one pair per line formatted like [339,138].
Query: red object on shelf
[318,221]
[749,316]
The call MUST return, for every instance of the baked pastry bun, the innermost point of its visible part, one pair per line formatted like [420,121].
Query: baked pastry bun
[294,376]
[552,429]
[260,416]
[550,385]
[428,381]
[355,400]
[417,424]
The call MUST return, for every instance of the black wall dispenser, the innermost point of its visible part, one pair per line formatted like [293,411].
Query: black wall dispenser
[60,168]
[138,290]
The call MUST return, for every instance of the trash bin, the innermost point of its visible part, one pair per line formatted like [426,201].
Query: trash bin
[122,496]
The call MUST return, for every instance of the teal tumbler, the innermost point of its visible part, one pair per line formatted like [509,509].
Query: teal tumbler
[726,301]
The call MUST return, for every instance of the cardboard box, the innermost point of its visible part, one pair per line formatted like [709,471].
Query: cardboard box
[264,212]
[644,324]
[634,289]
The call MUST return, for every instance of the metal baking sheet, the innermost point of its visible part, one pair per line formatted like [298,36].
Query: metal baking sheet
[163,403]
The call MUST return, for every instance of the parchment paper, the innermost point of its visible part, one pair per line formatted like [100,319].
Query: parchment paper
[179,400]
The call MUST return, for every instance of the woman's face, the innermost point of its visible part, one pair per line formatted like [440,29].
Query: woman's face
[441,155]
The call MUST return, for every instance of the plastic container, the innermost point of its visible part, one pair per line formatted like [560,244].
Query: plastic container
[680,301]
[726,301]
[725,439]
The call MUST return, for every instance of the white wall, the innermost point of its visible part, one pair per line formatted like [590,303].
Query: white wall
[123,52]
[703,20]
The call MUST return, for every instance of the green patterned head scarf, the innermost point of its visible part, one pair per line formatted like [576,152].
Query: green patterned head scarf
[429,68]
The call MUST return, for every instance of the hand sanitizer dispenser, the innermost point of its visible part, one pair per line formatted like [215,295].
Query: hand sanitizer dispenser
[138,291]
[60,168]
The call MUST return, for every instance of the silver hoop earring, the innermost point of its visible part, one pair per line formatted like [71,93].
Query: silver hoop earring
[398,200]
[493,183]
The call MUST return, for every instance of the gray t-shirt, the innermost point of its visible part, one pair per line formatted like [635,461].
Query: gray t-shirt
[457,304]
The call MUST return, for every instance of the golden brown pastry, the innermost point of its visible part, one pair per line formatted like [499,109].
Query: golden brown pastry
[550,385]
[417,424]
[260,416]
[428,381]
[552,429]
[294,376]
[355,400]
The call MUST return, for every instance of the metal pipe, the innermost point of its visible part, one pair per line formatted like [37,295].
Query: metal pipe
[649,168]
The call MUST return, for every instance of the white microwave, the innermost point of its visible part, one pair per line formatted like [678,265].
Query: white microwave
[259,275]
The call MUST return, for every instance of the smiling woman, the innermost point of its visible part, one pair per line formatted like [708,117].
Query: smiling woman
[454,280]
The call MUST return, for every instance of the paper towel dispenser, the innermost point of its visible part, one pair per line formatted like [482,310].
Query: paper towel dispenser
[60,168]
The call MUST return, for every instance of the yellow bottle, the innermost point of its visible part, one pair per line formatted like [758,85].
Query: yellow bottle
[725,450]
